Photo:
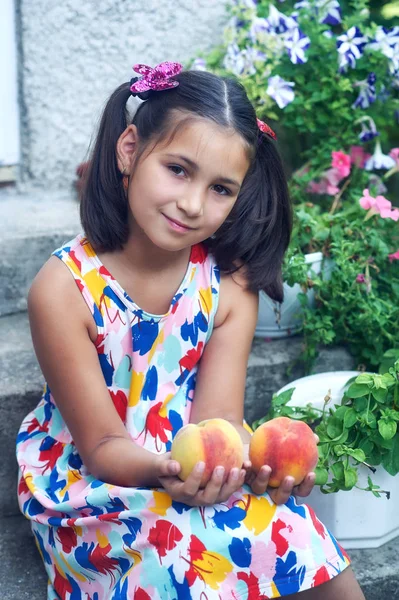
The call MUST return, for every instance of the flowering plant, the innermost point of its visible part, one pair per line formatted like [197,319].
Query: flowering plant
[327,77]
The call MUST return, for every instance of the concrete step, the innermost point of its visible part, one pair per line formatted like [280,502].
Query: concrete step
[32,225]
[22,575]
[22,384]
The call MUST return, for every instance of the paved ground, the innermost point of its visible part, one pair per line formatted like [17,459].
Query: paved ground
[22,575]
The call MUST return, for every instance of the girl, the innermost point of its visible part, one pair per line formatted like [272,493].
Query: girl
[145,324]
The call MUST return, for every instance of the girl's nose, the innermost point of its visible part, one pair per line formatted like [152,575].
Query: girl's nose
[192,204]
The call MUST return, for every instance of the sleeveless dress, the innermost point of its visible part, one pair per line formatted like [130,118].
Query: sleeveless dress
[104,542]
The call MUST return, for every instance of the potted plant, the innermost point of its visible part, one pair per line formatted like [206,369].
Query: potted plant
[326,77]
[356,418]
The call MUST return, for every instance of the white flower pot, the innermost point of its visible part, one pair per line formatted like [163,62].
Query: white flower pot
[282,320]
[357,519]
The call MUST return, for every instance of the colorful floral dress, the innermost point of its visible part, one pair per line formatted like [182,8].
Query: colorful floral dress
[100,541]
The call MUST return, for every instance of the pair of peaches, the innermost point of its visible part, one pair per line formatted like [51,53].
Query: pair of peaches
[287,446]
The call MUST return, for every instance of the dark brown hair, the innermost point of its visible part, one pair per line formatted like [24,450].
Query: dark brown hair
[256,233]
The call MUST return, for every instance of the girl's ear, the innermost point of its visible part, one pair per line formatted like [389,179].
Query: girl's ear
[126,148]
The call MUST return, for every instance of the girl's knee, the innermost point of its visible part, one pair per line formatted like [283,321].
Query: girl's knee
[342,587]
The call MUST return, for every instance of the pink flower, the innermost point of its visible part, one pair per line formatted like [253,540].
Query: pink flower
[379,205]
[360,278]
[317,187]
[394,153]
[394,256]
[333,176]
[384,207]
[359,156]
[341,162]
[367,201]
[332,190]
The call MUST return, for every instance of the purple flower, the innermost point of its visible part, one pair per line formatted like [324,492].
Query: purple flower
[259,28]
[296,43]
[367,93]
[327,11]
[360,278]
[245,4]
[199,64]
[241,62]
[279,23]
[350,47]
[281,91]
[368,133]
[377,184]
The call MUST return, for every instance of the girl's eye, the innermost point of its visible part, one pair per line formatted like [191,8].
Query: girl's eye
[220,189]
[177,170]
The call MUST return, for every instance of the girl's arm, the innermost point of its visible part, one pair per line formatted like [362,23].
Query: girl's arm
[222,372]
[63,333]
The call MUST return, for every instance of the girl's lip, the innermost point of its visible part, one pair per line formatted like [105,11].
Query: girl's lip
[178,225]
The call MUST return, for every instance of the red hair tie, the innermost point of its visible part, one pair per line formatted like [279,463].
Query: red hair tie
[266,129]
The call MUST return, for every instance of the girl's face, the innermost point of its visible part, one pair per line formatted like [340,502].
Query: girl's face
[183,191]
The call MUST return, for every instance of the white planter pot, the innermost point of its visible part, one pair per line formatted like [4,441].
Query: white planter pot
[282,320]
[356,518]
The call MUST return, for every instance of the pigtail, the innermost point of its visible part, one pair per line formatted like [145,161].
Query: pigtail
[257,231]
[103,205]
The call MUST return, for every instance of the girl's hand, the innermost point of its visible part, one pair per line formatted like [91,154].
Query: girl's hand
[259,482]
[189,492]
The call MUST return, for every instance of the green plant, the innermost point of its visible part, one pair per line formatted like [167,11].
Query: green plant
[361,431]
[326,77]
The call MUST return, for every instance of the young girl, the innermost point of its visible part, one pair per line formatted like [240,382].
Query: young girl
[145,324]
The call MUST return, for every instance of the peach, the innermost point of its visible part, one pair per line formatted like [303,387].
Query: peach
[287,446]
[216,442]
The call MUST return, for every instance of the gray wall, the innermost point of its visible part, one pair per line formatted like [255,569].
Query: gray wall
[73,53]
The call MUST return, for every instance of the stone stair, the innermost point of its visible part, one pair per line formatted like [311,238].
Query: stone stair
[32,225]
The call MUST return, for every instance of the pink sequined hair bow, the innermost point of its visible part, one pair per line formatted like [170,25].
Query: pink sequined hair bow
[155,79]
[266,129]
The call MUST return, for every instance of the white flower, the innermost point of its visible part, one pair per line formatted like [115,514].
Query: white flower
[385,40]
[302,4]
[242,62]
[350,46]
[259,30]
[296,43]
[280,90]
[394,63]
[379,160]
[237,61]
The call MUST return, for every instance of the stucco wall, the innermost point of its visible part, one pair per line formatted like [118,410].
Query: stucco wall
[73,53]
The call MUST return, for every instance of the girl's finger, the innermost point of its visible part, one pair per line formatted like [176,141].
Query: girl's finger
[192,484]
[171,468]
[306,486]
[234,482]
[261,481]
[282,494]
[212,490]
